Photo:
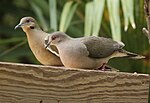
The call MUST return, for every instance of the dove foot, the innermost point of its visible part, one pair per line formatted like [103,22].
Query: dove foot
[104,68]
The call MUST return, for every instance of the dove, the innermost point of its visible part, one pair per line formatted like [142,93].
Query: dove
[86,52]
[36,38]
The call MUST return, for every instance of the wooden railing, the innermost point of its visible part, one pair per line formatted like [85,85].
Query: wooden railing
[24,83]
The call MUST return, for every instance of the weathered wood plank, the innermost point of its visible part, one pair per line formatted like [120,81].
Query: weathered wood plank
[23,83]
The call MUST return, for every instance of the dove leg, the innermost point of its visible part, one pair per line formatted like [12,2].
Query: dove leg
[104,67]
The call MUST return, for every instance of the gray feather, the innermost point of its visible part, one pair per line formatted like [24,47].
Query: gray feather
[100,47]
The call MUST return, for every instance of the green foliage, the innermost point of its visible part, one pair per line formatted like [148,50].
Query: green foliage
[67,14]
[53,14]
[98,13]
[76,18]
[88,19]
[93,16]
[113,9]
[128,8]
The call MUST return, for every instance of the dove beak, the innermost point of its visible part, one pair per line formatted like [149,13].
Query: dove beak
[47,42]
[19,25]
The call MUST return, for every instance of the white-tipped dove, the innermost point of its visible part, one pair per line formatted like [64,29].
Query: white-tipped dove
[86,52]
[36,38]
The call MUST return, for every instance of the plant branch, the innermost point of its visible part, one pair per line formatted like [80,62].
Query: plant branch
[147,15]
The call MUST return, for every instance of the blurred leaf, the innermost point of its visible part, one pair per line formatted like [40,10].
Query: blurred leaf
[128,8]
[13,48]
[131,13]
[11,40]
[125,13]
[70,15]
[39,14]
[88,18]
[113,9]
[98,14]
[67,14]
[53,14]
[42,4]
[20,3]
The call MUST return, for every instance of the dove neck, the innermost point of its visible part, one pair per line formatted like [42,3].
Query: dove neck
[36,36]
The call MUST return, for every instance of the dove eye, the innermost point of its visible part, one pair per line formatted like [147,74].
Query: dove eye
[53,37]
[27,21]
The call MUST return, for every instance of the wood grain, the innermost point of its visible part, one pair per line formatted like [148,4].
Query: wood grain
[24,83]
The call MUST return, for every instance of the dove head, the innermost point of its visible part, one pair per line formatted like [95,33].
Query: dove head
[55,38]
[27,23]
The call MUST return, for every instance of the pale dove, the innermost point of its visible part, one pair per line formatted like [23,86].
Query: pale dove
[86,52]
[35,38]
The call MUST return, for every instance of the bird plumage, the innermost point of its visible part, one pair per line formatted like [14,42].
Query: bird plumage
[87,52]
[36,38]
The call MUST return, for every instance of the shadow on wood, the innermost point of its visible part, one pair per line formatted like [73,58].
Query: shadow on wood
[23,83]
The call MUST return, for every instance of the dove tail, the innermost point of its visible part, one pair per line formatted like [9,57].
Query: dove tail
[127,54]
